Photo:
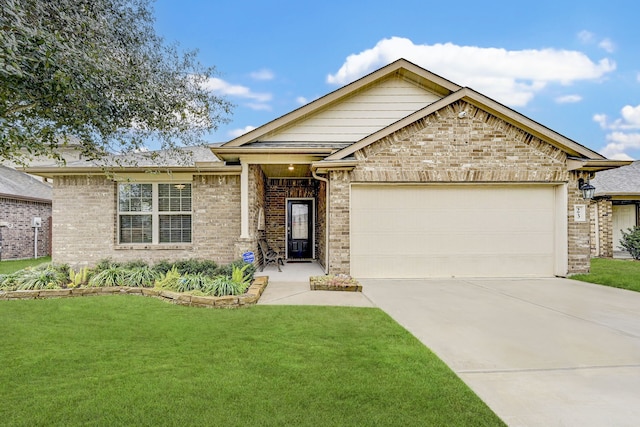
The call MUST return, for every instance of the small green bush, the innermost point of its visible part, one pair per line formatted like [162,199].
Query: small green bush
[140,277]
[8,282]
[227,270]
[132,265]
[223,285]
[194,283]
[631,241]
[170,280]
[45,276]
[162,267]
[197,266]
[112,276]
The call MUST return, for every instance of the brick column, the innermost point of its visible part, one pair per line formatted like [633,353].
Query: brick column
[579,240]
[339,237]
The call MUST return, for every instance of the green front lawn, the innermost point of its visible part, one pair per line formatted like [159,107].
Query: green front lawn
[127,360]
[619,273]
[7,267]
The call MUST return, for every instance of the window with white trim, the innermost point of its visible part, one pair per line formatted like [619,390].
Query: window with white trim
[154,213]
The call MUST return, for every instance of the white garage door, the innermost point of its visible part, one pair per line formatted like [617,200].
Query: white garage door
[459,231]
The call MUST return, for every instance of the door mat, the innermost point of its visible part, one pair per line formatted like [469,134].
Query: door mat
[298,261]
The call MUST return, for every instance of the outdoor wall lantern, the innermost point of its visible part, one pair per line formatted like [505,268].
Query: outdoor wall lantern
[587,189]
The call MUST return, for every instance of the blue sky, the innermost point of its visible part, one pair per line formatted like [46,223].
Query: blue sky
[572,66]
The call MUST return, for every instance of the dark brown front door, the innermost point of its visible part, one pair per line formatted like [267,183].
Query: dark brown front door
[300,229]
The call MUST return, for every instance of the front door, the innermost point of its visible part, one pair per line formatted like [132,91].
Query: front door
[300,229]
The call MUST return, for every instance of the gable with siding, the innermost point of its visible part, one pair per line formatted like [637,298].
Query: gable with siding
[359,115]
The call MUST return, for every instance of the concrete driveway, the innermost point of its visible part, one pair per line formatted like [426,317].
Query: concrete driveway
[539,352]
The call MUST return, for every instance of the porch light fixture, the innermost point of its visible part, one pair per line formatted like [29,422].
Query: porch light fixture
[291,167]
[587,189]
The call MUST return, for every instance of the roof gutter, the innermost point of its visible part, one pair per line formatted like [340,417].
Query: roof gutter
[50,172]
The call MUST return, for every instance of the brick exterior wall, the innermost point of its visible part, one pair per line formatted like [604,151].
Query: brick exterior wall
[445,148]
[85,221]
[17,238]
[601,228]
[579,233]
[277,192]
[339,217]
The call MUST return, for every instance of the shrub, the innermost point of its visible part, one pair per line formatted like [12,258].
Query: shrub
[162,267]
[8,282]
[112,276]
[105,264]
[80,278]
[194,282]
[631,241]
[132,265]
[170,280]
[46,276]
[223,285]
[140,277]
[197,266]
[227,270]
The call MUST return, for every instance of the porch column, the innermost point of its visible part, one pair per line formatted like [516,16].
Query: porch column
[244,201]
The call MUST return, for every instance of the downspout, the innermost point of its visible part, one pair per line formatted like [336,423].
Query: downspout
[327,216]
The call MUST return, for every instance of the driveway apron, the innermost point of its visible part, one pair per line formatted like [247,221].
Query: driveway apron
[539,352]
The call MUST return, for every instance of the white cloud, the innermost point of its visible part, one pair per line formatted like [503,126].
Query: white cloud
[601,119]
[568,99]
[586,36]
[222,87]
[630,119]
[513,77]
[263,74]
[607,45]
[638,77]
[619,143]
[239,132]
[258,106]
[302,100]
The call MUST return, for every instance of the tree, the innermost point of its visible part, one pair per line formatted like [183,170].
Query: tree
[96,73]
[631,241]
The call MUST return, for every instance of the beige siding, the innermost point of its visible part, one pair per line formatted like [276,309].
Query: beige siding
[361,114]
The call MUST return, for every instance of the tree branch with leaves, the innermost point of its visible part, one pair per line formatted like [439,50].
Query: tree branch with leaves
[95,73]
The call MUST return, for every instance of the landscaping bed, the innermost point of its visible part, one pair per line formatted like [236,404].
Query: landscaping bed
[338,282]
[199,283]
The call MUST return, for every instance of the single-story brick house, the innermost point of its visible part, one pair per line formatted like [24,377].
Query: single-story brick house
[616,207]
[401,173]
[23,201]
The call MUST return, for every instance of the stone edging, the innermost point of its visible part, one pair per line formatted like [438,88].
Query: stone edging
[250,297]
[316,284]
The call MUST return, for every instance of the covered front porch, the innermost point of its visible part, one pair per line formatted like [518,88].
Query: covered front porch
[284,206]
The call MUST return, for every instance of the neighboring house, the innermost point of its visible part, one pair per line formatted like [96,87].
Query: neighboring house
[25,202]
[616,208]
[401,173]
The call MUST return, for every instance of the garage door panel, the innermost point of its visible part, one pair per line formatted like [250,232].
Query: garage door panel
[474,231]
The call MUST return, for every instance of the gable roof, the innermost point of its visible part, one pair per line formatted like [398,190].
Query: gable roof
[401,68]
[18,185]
[484,103]
[261,139]
[618,182]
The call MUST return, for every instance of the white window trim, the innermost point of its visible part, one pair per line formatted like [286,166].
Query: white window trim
[155,215]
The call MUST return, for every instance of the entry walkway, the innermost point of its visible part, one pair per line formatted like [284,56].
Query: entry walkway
[539,352]
[291,287]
